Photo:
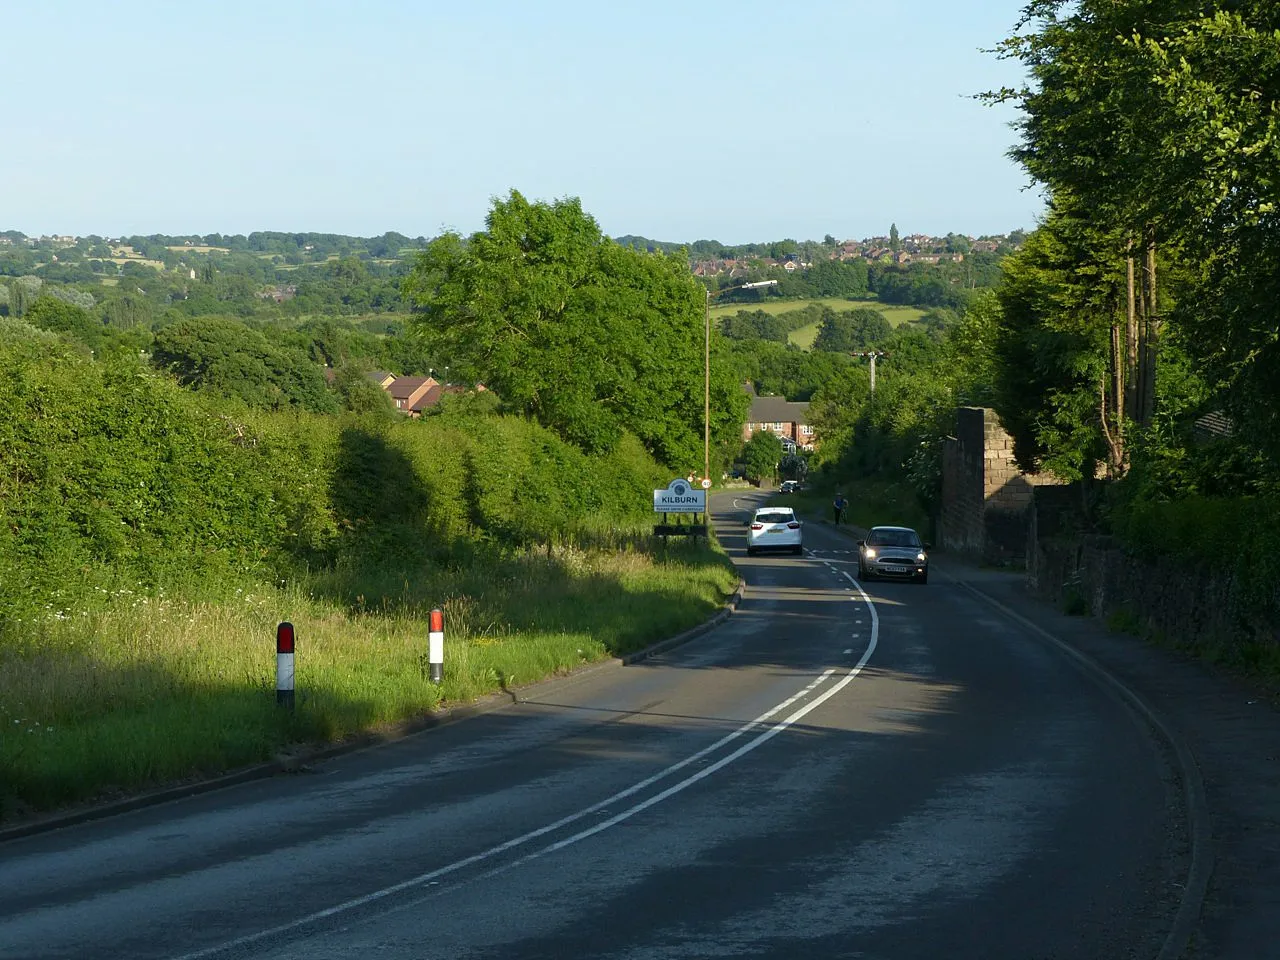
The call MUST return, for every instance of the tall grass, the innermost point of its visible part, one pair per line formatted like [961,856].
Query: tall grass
[151,540]
[142,690]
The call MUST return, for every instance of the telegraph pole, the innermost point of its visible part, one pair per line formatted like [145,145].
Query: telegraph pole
[706,387]
[873,354]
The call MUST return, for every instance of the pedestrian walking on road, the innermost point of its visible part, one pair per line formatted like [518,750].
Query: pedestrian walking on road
[838,507]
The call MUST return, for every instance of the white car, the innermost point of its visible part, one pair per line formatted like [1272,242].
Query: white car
[774,528]
[790,486]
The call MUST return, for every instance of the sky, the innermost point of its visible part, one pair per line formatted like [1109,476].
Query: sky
[679,121]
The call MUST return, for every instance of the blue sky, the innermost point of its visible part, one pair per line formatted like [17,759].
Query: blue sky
[741,122]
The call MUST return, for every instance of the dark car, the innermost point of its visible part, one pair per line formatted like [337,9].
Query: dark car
[893,552]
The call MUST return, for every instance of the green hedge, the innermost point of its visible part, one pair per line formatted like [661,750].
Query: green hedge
[111,475]
[1236,535]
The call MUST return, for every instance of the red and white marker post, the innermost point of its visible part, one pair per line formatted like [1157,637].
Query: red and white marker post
[284,665]
[435,646]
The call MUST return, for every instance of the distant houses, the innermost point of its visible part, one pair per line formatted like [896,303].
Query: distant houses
[916,248]
[788,420]
[415,395]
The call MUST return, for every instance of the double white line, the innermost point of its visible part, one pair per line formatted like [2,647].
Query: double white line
[759,739]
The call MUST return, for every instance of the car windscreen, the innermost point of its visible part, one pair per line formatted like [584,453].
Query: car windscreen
[893,538]
[775,517]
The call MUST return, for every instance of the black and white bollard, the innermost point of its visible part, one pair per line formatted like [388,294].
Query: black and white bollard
[435,646]
[284,665]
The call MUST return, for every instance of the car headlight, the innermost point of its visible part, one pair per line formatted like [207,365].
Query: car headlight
[871,553]
[920,558]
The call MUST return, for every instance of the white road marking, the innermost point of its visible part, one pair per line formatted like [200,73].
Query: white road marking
[427,879]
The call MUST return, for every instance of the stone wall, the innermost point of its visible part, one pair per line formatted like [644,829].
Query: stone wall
[1093,574]
[960,521]
[986,499]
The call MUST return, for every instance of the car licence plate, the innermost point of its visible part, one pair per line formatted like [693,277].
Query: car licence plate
[894,568]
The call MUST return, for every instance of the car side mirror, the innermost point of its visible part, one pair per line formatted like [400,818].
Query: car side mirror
[862,543]
[928,546]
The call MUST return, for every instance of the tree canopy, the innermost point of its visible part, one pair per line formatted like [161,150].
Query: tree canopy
[591,338]
[851,330]
[1155,126]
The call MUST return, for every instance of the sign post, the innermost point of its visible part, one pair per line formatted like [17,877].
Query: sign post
[679,497]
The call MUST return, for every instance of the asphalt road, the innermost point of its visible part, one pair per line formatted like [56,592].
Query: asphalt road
[900,773]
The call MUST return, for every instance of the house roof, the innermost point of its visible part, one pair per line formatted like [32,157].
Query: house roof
[402,388]
[778,410]
[436,392]
[428,399]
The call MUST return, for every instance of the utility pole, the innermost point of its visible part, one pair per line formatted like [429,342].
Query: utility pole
[706,387]
[873,354]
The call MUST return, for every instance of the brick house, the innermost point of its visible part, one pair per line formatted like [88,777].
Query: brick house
[408,391]
[413,395]
[786,419]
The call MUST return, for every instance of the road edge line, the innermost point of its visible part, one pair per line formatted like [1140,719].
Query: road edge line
[1200,871]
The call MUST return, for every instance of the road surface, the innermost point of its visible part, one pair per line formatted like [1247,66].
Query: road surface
[895,773]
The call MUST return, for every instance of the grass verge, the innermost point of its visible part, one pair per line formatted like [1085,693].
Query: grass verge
[139,690]
[1253,660]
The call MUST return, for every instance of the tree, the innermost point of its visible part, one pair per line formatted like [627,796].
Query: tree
[359,393]
[755,325]
[761,455]
[128,309]
[18,299]
[895,244]
[56,314]
[587,336]
[851,330]
[1054,354]
[225,357]
[794,466]
[1159,119]
[834,278]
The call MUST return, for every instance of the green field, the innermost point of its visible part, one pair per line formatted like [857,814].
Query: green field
[804,336]
[776,307]
[200,248]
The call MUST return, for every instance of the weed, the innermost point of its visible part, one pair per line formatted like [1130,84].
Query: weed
[1124,620]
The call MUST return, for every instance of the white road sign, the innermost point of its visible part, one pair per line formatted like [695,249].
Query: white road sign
[680,496]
